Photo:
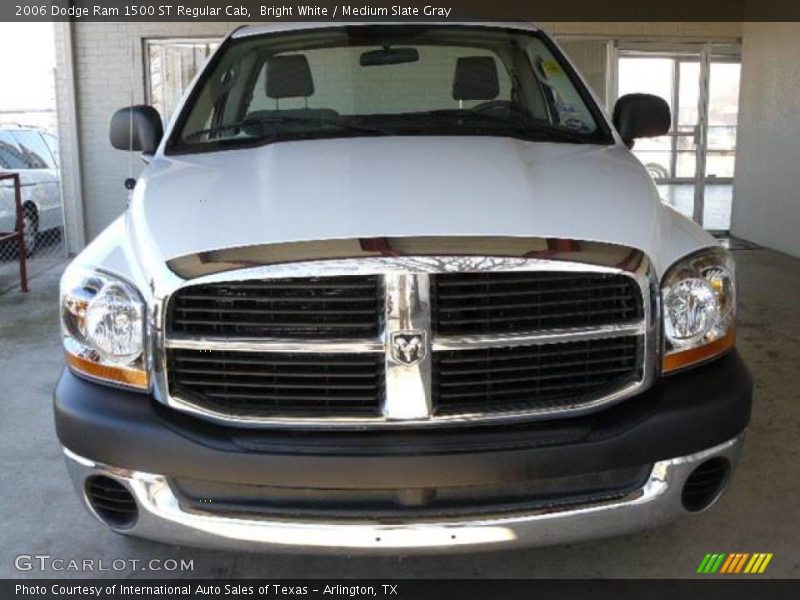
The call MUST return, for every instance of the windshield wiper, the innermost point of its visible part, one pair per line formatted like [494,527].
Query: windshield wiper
[518,124]
[249,124]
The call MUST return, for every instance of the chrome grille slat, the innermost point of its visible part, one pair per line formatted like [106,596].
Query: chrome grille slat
[506,278]
[516,293]
[274,299]
[274,311]
[472,369]
[311,283]
[536,338]
[277,325]
[256,361]
[271,386]
[516,392]
[290,346]
[540,304]
[285,373]
[280,400]
[507,380]
[523,318]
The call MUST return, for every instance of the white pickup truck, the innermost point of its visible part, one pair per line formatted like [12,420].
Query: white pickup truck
[397,288]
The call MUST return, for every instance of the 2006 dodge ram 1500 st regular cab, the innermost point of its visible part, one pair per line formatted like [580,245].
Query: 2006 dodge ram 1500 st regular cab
[397,288]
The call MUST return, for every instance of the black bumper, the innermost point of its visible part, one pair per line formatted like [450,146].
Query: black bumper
[682,414]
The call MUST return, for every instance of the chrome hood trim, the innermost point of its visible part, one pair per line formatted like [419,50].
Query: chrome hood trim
[430,254]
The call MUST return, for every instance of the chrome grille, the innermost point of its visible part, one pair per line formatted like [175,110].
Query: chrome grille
[584,337]
[532,378]
[312,307]
[489,303]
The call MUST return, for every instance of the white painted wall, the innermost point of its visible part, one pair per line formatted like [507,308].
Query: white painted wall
[766,193]
[695,30]
[108,63]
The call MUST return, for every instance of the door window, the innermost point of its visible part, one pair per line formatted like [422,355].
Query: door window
[36,153]
[11,157]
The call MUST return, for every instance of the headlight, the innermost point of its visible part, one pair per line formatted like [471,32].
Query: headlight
[699,304]
[103,321]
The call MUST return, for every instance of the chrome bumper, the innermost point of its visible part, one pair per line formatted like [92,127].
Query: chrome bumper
[161,517]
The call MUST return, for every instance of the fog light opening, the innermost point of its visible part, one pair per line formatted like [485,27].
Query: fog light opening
[705,484]
[111,501]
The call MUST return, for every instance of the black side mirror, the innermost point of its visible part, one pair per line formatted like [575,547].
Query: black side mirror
[136,128]
[641,115]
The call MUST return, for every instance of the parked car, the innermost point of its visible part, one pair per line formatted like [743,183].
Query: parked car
[397,288]
[29,152]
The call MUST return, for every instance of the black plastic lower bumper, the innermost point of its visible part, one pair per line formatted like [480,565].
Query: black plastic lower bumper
[682,414]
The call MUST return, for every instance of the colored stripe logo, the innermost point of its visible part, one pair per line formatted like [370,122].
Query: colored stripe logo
[735,563]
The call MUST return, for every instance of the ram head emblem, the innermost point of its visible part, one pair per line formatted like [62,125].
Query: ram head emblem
[407,347]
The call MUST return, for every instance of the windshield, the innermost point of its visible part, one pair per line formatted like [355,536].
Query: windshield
[386,80]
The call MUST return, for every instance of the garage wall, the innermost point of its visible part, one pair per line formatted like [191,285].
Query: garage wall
[766,192]
[107,62]
[698,30]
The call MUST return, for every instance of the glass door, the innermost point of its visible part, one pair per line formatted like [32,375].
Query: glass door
[692,165]
[723,111]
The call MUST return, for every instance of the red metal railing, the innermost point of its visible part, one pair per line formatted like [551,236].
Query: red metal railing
[19,233]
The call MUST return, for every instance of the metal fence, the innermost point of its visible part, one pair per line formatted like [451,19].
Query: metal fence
[32,152]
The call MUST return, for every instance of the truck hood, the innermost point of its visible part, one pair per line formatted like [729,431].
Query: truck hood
[393,187]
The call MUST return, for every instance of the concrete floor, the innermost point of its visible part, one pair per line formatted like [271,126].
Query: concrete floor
[760,513]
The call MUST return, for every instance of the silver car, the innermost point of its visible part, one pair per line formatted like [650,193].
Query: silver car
[32,153]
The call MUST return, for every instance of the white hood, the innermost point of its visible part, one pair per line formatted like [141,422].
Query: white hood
[395,187]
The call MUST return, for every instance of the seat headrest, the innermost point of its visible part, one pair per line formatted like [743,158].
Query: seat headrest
[289,76]
[476,78]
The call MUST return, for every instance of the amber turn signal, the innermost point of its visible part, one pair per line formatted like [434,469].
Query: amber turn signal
[115,374]
[692,356]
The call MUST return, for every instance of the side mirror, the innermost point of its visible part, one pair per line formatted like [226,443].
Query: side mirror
[136,128]
[641,115]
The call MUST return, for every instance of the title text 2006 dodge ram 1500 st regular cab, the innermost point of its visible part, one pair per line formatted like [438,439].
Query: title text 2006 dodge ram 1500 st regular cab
[397,288]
